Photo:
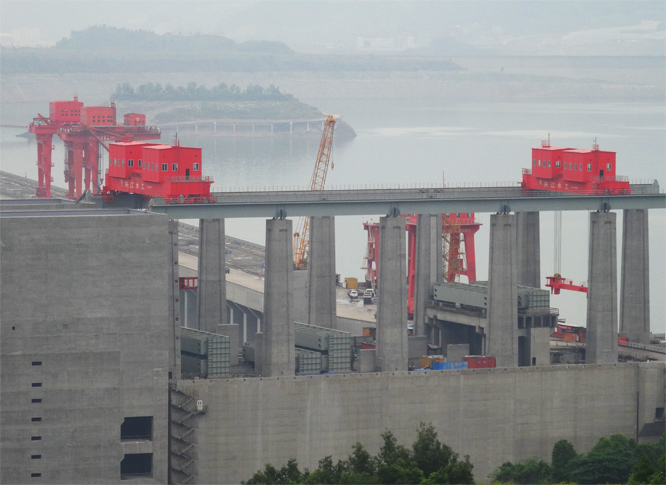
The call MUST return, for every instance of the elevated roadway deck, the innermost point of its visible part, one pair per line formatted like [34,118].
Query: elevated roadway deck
[297,203]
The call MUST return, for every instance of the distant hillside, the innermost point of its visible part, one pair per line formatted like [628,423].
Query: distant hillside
[104,49]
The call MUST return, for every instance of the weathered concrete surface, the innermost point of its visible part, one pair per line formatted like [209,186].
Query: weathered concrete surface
[392,282]
[494,415]
[528,249]
[502,341]
[278,323]
[321,266]
[602,293]
[88,298]
[428,264]
[212,286]
[635,282]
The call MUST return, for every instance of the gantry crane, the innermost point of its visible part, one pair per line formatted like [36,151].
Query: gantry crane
[302,235]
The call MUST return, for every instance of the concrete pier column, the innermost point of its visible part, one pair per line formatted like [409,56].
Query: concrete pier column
[392,304]
[174,303]
[635,282]
[502,340]
[528,252]
[321,266]
[278,328]
[428,264]
[602,293]
[212,300]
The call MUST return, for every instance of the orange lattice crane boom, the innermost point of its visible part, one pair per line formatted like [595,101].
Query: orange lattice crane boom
[302,234]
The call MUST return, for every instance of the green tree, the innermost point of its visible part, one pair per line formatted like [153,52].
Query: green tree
[288,474]
[563,453]
[642,471]
[391,451]
[533,470]
[401,471]
[457,472]
[429,453]
[609,461]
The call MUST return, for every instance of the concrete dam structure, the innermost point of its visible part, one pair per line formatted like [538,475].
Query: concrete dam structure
[91,353]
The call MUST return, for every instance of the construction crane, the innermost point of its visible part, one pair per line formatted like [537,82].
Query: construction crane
[302,235]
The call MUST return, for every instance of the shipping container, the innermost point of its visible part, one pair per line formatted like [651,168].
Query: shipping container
[479,362]
[351,283]
[425,361]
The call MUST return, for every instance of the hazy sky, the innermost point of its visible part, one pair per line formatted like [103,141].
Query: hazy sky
[311,25]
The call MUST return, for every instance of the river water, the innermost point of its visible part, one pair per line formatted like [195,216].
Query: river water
[417,141]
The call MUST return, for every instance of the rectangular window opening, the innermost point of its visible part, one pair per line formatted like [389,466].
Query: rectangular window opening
[35,475]
[137,428]
[174,167]
[35,457]
[165,167]
[136,465]
[37,400]
[36,362]
[35,438]
[36,419]
[36,384]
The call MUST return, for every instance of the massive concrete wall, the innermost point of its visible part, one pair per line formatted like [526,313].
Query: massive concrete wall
[494,415]
[85,343]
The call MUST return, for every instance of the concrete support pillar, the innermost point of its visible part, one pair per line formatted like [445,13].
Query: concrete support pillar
[321,266]
[635,282]
[300,289]
[279,339]
[392,306]
[528,252]
[174,303]
[602,293]
[212,301]
[428,264]
[502,340]
[244,327]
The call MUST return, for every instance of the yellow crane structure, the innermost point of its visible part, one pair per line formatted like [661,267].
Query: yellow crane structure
[302,235]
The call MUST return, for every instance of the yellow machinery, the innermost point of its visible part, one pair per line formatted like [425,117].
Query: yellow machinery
[302,235]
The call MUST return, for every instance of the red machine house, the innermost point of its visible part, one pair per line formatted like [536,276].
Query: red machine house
[574,170]
[157,170]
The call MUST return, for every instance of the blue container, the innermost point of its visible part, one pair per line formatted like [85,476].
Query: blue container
[438,365]
[447,366]
[459,365]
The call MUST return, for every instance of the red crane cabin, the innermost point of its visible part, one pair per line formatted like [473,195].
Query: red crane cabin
[156,170]
[573,170]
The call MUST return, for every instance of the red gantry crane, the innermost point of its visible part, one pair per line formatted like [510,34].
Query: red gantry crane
[82,129]
[302,235]
[458,251]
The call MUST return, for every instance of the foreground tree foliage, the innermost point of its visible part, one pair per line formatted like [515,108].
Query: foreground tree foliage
[428,462]
[614,459]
